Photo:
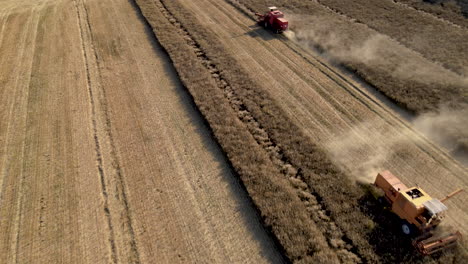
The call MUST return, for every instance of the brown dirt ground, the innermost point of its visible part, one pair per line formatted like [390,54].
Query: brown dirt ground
[103,156]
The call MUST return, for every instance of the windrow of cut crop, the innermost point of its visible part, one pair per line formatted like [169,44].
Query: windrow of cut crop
[282,211]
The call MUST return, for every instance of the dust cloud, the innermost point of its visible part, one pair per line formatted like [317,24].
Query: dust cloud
[365,149]
[448,128]
[337,43]
[371,147]
[313,32]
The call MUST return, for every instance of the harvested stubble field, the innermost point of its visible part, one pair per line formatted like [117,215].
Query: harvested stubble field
[107,155]
[103,156]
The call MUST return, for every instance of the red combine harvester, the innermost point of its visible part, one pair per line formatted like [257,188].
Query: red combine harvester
[273,19]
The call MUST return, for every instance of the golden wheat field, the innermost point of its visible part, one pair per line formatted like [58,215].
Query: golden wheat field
[181,131]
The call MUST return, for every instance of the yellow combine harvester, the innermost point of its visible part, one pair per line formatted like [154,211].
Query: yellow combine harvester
[420,213]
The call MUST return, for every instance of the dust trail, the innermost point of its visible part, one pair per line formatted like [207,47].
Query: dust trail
[445,126]
[366,149]
[448,128]
[370,147]
[340,45]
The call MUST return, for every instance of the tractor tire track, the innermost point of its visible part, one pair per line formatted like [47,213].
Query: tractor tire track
[20,98]
[94,126]
[117,210]
[38,196]
[104,157]
[5,16]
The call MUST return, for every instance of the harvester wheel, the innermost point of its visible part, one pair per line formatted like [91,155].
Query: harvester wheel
[406,228]
[381,200]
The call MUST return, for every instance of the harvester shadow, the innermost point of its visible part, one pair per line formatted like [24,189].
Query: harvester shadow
[387,238]
[257,31]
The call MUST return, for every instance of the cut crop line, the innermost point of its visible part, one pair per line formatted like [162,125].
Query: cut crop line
[263,139]
[95,133]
